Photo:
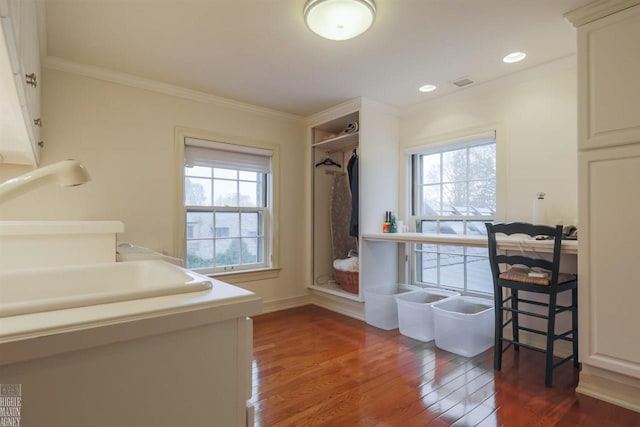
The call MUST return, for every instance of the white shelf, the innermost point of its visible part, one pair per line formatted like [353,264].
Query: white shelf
[506,243]
[338,143]
[336,290]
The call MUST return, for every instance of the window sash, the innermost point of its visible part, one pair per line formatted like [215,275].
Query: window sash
[443,255]
[417,183]
[263,237]
[210,247]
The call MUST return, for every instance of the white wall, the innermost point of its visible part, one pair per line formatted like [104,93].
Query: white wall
[536,115]
[125,138]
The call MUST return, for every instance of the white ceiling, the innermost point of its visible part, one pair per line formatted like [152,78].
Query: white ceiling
[260,51]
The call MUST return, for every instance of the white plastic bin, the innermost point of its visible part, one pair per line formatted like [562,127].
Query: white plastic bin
[464,325]
[415,317]
[380,307]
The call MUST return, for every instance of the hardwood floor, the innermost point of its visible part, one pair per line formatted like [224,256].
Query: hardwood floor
[313,367]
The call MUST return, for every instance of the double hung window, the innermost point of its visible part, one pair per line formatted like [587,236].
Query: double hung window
[227,205]
[454,192]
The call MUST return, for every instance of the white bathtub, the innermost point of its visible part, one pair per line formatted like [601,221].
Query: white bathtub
[55,288]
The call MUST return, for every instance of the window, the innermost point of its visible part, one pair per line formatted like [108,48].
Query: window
[227,203]
[454,192]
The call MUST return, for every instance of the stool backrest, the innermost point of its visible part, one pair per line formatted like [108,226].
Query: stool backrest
[530,230]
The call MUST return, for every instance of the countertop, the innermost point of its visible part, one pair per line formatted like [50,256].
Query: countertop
[29,336]
[507,243]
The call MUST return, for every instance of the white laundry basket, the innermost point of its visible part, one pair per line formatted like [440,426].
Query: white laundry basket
[464,325]
[380,307]
[415,316]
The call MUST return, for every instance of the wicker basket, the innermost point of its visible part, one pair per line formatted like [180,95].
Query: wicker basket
[348,280]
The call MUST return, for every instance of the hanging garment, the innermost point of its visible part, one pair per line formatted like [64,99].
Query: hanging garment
[340,210]
[352,168]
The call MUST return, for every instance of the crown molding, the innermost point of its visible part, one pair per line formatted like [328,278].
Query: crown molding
[342,109]
[598,9]
[99,73]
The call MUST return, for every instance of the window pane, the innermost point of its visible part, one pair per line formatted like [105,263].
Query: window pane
[429,272]
[430,168]
[430,200]
[454,166]
[476,228]
[227,224]
[452,227]
[428,226]
[199,225]
[482,161]
[479,275]
[248,194]
[249,250]
[426,247]
[452,270]
[248,176]
[200,171]
[227,252]
[482,252]
[199,253]
[251,224]
[197,191]
[454,199]
[225,173]
[225,193]
[452,250]
[482,197]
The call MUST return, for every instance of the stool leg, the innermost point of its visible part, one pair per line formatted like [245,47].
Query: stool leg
[497,348]
[515,324]
[551,333]
[574,326]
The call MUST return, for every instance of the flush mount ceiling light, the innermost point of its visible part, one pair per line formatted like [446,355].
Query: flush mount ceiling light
[339,19]
[514,57]
[427,88]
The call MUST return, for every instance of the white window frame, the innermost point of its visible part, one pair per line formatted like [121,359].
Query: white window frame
[444,145]
[248,272]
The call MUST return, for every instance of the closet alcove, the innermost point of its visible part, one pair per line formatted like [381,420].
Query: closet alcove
[333,143]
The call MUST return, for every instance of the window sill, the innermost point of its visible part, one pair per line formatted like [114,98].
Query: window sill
[247,275]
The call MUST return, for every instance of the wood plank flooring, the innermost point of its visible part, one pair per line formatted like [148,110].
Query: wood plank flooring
[313,367]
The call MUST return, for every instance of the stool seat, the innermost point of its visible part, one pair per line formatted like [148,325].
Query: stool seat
[524,275]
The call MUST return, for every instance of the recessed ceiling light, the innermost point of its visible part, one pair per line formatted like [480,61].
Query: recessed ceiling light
[514,57]
[427,88]
[339,19]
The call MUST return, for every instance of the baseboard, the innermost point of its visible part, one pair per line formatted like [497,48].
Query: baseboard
[350,308]
[283,304]
[611,387]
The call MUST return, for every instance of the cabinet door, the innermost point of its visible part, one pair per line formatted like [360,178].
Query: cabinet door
[21,100]
[609,87]
[30,60]
[10,11]
[608,279]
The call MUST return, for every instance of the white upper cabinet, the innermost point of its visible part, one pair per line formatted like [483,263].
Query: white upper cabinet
[609,104]
[19,83]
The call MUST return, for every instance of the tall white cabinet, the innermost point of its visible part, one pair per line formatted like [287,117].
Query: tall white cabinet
[20,82]
[376,143]
[609,199]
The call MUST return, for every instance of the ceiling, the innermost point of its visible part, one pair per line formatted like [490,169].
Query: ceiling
[260,51]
